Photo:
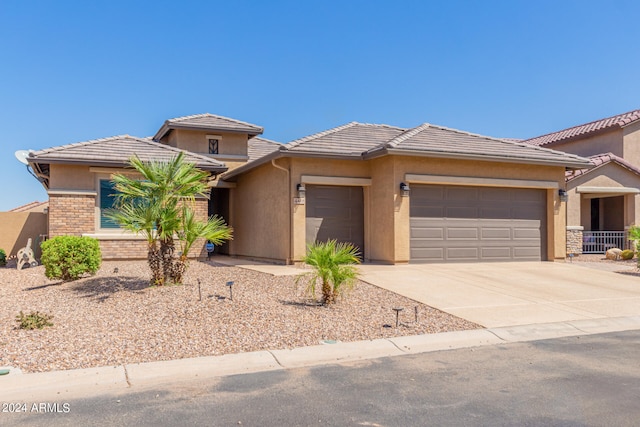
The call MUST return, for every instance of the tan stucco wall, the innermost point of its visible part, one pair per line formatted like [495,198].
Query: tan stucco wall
[610,142]
[263,201]
[197,142]
[259,214]
[17,227]
[70,177]
[631,135]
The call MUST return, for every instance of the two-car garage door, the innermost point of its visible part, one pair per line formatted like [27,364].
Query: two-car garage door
[447,223]
[458,223]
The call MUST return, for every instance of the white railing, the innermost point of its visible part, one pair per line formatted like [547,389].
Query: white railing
[597,242]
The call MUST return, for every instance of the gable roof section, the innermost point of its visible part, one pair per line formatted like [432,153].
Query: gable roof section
[210,122]
[594,127]
[35,206]
[598,161]
[115,152]
[363,141]
[439,141]
[351,139]
[259,147]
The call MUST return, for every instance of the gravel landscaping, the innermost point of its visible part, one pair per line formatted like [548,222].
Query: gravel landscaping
[115,318]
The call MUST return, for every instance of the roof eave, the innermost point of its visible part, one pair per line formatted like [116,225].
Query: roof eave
[112,163]
[166,127]
[571,164]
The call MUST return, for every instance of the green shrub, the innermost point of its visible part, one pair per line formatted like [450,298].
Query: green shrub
[627,254]
[3,258]
[33,320]
[69,257]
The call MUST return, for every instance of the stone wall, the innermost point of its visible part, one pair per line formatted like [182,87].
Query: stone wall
[574,240]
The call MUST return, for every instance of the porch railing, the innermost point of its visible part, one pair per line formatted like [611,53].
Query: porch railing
[598,242]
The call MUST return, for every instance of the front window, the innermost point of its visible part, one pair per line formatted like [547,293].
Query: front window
[107,201]
[213,146]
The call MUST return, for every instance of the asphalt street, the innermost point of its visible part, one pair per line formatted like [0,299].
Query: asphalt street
[575,381]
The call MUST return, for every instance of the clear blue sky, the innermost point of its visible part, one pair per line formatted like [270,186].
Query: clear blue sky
[77,70]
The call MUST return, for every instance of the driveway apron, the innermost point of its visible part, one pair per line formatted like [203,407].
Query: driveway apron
[513,293]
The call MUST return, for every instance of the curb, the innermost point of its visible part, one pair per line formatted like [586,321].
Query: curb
[102,380]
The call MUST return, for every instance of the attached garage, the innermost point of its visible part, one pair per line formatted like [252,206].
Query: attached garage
[335,212]
[452,223]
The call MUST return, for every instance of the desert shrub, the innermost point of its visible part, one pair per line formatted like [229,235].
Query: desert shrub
[33,320]
[3,258]
[69,257]
[627,254]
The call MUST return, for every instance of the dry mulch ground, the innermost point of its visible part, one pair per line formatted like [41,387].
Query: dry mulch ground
[115,318]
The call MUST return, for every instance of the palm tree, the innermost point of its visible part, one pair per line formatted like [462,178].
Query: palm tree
[155,203]
[333,266]
[139,218]
[214,230]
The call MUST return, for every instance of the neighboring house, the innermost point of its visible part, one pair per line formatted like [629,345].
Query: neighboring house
[19,224]
[603,201]
[424,194]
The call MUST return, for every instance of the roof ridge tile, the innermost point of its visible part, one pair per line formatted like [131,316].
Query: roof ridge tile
[217,116]
[393,143]
[297,142]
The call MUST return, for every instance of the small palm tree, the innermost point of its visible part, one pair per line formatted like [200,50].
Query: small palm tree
[333,266]
[214,230]
[158,204]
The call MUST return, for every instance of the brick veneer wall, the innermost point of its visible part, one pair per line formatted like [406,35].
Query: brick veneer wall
[574,241]
[202,213]
[75,215]
[71,214]
[123,249]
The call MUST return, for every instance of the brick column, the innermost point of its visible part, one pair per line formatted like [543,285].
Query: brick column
[71,214]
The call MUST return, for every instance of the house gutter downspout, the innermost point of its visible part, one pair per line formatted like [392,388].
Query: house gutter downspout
[288,261]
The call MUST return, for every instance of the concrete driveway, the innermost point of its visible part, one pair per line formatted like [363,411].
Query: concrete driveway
[508,294]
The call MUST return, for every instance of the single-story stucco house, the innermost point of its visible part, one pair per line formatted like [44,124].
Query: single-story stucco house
[604,200]
[423,194]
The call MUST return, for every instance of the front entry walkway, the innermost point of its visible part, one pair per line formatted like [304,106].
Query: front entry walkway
[514,293]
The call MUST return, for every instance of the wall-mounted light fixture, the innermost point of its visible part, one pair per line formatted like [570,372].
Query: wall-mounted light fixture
[301,190]
[563,194]
[404,189]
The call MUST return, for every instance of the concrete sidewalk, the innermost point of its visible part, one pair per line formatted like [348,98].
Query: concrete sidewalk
[61,385]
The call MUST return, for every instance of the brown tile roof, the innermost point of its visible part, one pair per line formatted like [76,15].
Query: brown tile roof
[31,207]
[428,139]
[362,141]
[588,128]
[601,160]
[116,151]
[351,139]
[259,147]
[210,122]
